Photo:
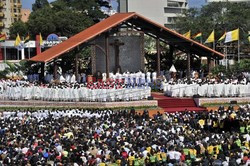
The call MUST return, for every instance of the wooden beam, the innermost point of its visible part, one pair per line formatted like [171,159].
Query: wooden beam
[158,59]
[188,66]
[107,54]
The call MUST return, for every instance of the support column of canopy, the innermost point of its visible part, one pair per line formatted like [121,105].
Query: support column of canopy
[171,54]
[42,71]
[158,58]
[107,54]
[188,65]
[55,70]
[76,67]
[208,64]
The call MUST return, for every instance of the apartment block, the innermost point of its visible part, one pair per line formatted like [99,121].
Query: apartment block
[10,12]
[165,12]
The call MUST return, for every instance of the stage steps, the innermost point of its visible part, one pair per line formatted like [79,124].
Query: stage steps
[170,104]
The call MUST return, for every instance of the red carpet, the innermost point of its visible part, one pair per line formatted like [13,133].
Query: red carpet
[170,104]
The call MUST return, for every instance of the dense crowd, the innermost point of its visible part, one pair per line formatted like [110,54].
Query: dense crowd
[124,137]
[207,88]
[98,91]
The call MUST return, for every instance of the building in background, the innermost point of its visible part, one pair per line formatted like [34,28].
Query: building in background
[10,12]
[164,12]
[209,1]
[25,15]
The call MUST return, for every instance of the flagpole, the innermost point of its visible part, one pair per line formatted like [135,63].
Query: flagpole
[226,55]
[239,50]
[17,54]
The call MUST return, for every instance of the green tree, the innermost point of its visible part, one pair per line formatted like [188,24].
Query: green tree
[220,16]
[39,4]
[18,27]
[65,18]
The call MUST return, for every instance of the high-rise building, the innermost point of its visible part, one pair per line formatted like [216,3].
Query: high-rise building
[25,14]
[228,1]
[10,12]
[164,12]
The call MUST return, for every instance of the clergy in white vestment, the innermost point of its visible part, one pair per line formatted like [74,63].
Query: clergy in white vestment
[104,77]
[62,79]
[67,78]
[83,77]
[137,77]
[143,80]
[154,76]
[125,75]
[73,79]
[148,77]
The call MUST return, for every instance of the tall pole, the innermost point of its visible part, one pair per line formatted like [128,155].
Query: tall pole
[188,65]
[107,54]
[238,50]
[158,59]
[226,55]
[76,67]
[17,54]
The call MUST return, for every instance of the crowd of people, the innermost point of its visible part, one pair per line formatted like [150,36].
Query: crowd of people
[99,91]
[125,137]
[127,77]
[207,88]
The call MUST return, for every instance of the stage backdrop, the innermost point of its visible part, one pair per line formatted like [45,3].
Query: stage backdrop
[131,53]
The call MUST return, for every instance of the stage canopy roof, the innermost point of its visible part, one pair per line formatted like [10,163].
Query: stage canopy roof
[139,23]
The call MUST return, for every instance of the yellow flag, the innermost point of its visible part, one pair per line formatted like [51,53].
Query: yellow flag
[210,38]
[222,37]
[18,41]
[41,40]
[232,35]
[187,35]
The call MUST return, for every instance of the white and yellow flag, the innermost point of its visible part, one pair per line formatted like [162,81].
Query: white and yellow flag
[232,35]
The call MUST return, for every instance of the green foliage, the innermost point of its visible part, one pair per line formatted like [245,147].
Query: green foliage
[18,27]
[233,70]
[219,16]
[39,4]
[65,18]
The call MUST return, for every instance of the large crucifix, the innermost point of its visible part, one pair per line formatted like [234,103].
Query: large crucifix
[116,45]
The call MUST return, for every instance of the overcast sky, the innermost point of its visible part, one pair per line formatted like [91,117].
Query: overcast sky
[27,4]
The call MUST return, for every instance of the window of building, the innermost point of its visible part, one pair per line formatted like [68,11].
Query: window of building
[173,10]
[171,19]
[173,4]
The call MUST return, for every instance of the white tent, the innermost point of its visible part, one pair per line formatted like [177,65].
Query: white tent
[172,69]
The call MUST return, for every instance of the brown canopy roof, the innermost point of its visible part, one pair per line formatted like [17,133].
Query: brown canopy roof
[162,32]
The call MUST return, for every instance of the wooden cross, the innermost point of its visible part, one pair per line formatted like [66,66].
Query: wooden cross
[116,45]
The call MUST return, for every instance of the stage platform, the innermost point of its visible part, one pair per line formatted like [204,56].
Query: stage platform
[226,100]
[172,105]
[38,103]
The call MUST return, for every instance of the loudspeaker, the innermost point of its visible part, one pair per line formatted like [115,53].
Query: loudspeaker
[150,98]
[233,102]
